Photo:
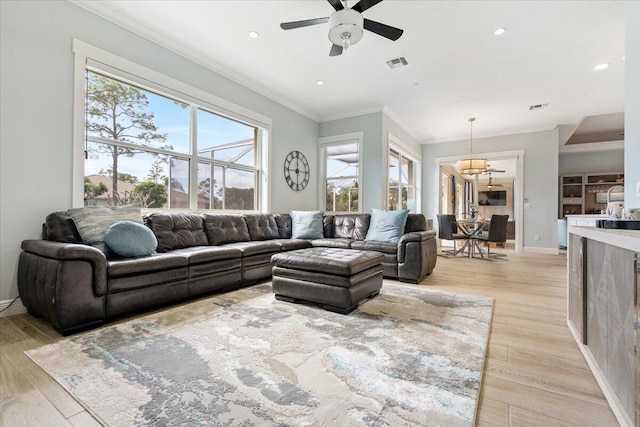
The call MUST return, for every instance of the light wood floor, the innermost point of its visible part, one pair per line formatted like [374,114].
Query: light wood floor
[534,373]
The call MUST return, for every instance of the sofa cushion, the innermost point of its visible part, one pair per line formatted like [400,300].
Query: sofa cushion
[292,244]
[387,226]
[202,254]
[262,226]
[255,248]
[351,226]
[130,239]
[306,225]
[59,227]
[327,225]
[283,221]
[384,247]
[156,262]
[177,230]
[415,222]
[222,229]
[332,243]
[92,222]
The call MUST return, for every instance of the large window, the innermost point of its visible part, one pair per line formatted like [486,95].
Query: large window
[146,147]
[403,178]
[341,176]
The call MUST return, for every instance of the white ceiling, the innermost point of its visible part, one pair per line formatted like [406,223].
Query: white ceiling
[458,67]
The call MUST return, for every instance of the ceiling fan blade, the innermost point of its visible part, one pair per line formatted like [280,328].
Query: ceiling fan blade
[335,50]
[383,30]
[363,5]
[305,23]
[337,4]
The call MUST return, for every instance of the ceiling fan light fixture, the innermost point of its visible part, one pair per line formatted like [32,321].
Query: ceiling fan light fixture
[346,28]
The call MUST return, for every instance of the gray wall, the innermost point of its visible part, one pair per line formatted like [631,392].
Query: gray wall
[632,106]
[540,178]
[36,128]
[389,125]
[591,162]
[374,191]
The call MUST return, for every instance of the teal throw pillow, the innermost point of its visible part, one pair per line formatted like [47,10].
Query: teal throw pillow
[306,225]
[130,239]
[92,222]
[386,226]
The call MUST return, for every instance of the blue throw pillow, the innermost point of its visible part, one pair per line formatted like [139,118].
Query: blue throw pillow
[386,226]
[306,225]
[130,239]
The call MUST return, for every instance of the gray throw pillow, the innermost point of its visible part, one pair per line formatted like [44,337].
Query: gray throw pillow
[386,226]
[92,222]
[130,239]
[306,225]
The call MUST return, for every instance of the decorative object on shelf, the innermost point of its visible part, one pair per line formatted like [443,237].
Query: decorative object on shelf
[472,166]
[348,25]
[296,170]
[572,193]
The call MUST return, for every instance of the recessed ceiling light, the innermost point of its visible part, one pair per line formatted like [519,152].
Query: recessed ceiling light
[253,34]
[320,82]
[600,67]
[500,31]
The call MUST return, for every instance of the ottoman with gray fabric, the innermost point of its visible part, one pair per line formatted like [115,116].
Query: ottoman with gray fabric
[337,279]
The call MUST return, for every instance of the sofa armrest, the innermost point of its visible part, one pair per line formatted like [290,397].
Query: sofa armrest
[416,236]
[73,252]
[417,253]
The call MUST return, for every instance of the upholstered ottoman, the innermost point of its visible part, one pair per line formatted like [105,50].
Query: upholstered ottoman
[337,279]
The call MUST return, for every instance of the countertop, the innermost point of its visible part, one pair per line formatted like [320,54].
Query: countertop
[626,239]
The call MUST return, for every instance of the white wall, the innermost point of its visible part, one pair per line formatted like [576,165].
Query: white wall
[632,106]
[373,185]
[591,162]
[36,69]
[540,178]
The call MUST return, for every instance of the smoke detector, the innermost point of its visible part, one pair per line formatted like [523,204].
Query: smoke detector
[397,62]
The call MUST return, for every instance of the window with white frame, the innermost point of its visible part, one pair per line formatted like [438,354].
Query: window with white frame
[149,147]
[403,179]
[341,166]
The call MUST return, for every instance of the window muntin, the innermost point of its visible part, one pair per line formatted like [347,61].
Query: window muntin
[402,181]
[342,162]
[146,138]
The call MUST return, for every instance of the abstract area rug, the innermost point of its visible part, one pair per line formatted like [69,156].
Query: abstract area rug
[407,357]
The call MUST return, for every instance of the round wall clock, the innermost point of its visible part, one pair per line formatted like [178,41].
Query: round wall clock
[296,170]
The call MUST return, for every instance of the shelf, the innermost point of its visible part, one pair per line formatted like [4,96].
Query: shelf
[580,193]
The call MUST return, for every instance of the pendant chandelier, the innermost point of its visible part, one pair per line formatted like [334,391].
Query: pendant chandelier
[472,166]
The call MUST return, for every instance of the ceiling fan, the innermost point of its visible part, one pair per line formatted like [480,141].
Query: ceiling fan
[347,25]
[490,170]
[490,185]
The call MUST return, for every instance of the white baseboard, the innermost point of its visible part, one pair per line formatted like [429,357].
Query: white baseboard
[535,250]
[16,308]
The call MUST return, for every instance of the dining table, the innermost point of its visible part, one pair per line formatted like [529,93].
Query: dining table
[471,227]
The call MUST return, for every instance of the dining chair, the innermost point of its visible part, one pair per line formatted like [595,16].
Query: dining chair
[497,233]
[448,230]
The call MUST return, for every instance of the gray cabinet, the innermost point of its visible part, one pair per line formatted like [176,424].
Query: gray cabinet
[610,332]
[577,284]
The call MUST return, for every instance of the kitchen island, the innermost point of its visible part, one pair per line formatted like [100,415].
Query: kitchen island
[602,312]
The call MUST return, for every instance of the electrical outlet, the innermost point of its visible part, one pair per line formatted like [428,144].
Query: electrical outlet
[536,237]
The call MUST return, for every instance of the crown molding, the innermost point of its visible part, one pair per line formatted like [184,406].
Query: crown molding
[349,114]
[105,12]
[590,147]
[476,136]
[393,116]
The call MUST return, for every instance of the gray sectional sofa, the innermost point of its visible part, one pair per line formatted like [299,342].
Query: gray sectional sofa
[75,286]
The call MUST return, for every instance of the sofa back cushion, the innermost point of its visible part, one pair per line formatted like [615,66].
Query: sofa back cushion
[327,226]
[221,229]
[351,226]
[415,222]
[283,221]
[177,230]
[59,227]
[262,226]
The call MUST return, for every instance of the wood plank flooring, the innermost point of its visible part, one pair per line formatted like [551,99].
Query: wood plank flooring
[534,373]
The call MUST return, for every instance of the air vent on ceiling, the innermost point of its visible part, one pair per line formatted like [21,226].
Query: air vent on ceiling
[397,62]
[538,106]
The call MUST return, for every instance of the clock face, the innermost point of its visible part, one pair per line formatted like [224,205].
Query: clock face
[296,170]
